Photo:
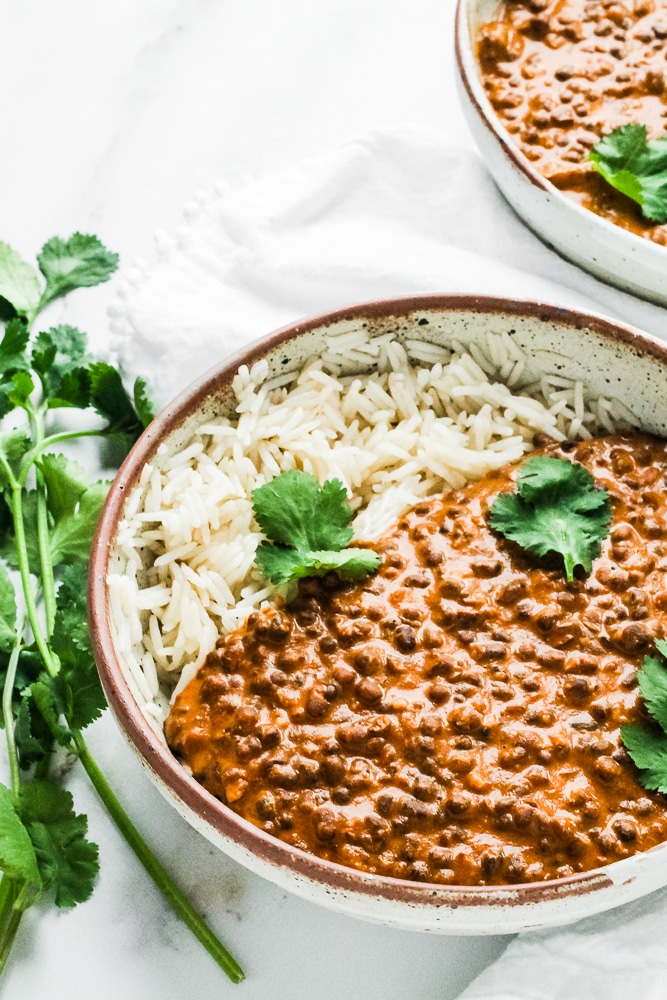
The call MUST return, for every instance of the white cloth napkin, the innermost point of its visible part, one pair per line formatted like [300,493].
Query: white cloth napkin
[390,213]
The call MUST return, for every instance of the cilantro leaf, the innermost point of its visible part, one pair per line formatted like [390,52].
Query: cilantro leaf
[6,406]
[73,534]
[32,735]
[65,482]
[19,282]
[109,397]
[15,382]
[56,353]
[43,353]
[80,261]
[50,695]
[21,388]
[85,701]
[75,693]
[74,505]
[312,528]
[81,693]
[557,508]
[7,611]
[72,622]
[13,346]
[635,167]
[652,679]
[142,403]
[293,510]
[73,390]
[280,565]
[648,747]
[648,750]
[18,859]
[14,444]
[67,862]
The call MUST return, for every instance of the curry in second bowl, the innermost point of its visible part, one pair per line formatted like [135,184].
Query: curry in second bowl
[561,74]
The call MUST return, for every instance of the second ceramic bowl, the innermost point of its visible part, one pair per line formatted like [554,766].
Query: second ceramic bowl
[619,257]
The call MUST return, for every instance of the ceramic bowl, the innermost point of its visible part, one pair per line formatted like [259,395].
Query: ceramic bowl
[611,253]
[614,361]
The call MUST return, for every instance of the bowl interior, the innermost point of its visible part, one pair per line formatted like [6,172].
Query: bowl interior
[614,362]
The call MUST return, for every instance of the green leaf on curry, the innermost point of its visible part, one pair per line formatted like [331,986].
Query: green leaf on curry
[557,508]
[636,167]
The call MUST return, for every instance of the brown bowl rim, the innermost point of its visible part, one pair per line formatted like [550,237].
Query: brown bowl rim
[154,751]
[493,125]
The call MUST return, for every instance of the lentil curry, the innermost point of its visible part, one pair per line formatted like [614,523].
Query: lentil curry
[560,74]
[455,718]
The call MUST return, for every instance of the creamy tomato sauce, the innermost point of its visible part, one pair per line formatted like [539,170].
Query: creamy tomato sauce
[454,718]
[560,74]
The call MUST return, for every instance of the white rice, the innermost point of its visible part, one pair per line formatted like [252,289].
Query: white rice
[424,421]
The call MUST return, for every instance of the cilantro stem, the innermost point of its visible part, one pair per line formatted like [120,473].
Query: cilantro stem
[31,456]
[7,469]
[24,569]
[48,581]
[7,892]
[8,937]
[70,436]
[160,877]
[10,918]
[8,714]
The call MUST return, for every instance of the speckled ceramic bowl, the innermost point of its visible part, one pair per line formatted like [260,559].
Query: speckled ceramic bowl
[614,361]
[613,254]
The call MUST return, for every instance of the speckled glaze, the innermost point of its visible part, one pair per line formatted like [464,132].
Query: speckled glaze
[613,254]
[613,360]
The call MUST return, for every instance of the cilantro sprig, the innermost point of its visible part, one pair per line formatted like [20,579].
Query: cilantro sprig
[557,508]
[648,747]
[79,262]
[636,167]
[309,530]
[48,513]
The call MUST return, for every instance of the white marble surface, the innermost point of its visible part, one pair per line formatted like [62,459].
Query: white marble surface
[113,116]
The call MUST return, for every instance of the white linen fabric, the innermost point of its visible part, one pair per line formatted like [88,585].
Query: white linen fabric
[390,213]
[615,955]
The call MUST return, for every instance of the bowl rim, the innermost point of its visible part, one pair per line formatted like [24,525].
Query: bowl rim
[465,61]
[143,739]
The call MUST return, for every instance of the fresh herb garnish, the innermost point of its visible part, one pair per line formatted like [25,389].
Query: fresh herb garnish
[557,508]
[48,513]
[79,262]
[635,167]
[310,528]
[648,747]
